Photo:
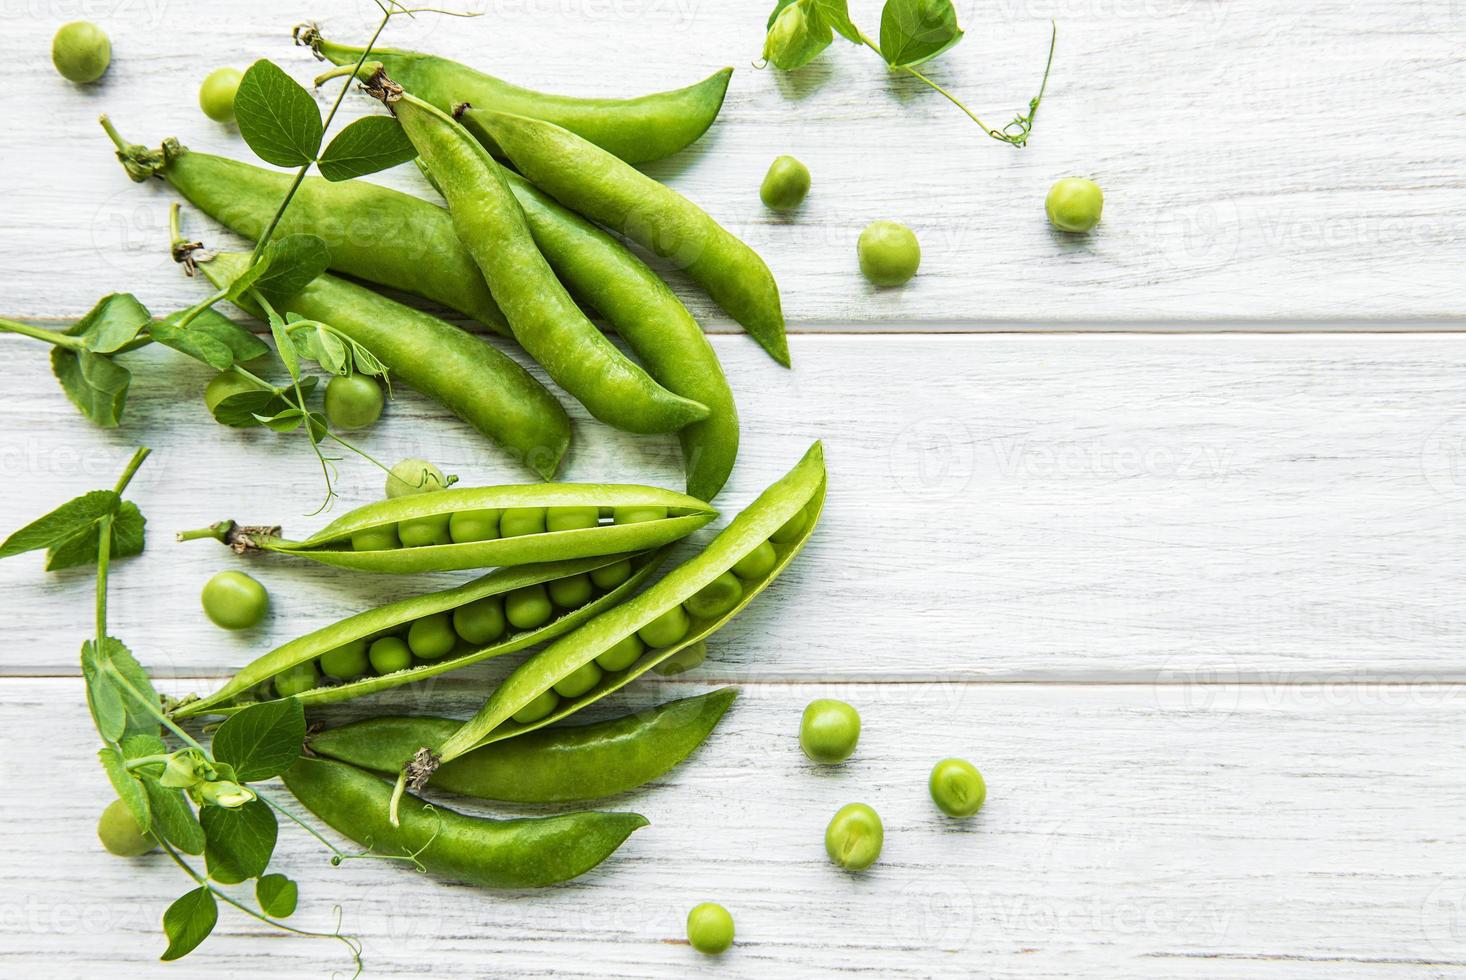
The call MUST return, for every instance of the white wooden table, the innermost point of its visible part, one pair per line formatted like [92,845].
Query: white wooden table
[1163,528]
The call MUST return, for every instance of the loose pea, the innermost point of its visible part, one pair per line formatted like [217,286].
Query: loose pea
[636,515]
[572,518]
[889,253]
[412,476]
[389,655]
[235,601]
[829,730]
[792,528]
[522,520]
[353,401]
[216,95]
[381,538]
[571,592]
[1074,204]
[785,184]
[854,837]
[757,563]
[666,629]
[296,680]
[473,525]
[578,681]
[610,576]
[957,787]
[81,52]
[528,607]
[420,532]
[683,660]
[480,622]
[716,598]
[537,709]
[432,637]
[120,833]
[347,662]
[623,654]
[709,928]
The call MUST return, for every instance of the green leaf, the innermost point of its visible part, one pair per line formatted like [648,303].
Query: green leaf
[277,896]
[796,35]
[73,517]
[239,840]
[277,117]
[173,818]
[295,260]
[287,421]
[139,746]
[112,323]
[188,922]
[369,144]
[245,281]
[242,410]
[81,548]
[837,14]
[212,338]
[94,384]
[261,741]
[128,787]
[329,351]
[916,31]
[117,660]
[105,699]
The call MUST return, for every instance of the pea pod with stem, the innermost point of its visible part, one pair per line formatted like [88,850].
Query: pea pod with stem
[487,593]
[561,764]
[587,179]
[368,538]
[636,130]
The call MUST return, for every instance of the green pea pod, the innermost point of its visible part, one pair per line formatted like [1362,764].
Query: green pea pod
[333,544]
[529,852]
[395,618]
[477,382]
[587,179]
[543,316]
[636,130]
[373,233]
[800,492]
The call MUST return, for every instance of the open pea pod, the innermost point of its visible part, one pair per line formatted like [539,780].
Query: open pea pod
[666,619]
[420,532]
[507,610]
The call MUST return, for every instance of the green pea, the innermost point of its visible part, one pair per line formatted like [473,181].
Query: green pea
[529,607]
[683,660]
[1074,204]
[412,476]
[572,518]
[296,680]
[353,401]
[421,532]
[81,52]
[216,95]
[537,709]
[667,628]
[757,563]
[480,622]
[889,253]
[709,928]
[623,654]
[235,601]
[380,538]
[522,520]
[957,787]
[120,833]
[636,515]
[578,681]
[612,575]
[716,598]
[854,837]
[785,184]
[473,525]
[347,662]
[389,655]
[571,592]
[432,637]
[791,529]
[829,730]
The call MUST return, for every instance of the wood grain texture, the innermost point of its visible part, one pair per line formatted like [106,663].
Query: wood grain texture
[1260,164]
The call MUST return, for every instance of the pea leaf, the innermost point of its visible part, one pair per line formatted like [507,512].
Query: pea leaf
[245,281]
[95,385]
[277,117]
[915,31]
[81,548]
[262,740]
[287,421]
[238,840]
[836,13]
[212,338]
[294,261]
[75,516]
[369,144]
[796,35]
[188,922]
[129,788]
[104,697]
[173,818]
[112,323]
[277,896]
[242,410]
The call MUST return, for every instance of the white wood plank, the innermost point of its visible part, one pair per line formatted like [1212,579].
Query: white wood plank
[1261,164]
[1232,835]
[1001,506]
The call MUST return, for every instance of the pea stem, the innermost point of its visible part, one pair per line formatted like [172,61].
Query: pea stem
[54,337]
[218,532]
[304,826]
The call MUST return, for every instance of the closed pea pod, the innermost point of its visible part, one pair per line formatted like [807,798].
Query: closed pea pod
[587,179]
[543,317]
[525,853]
